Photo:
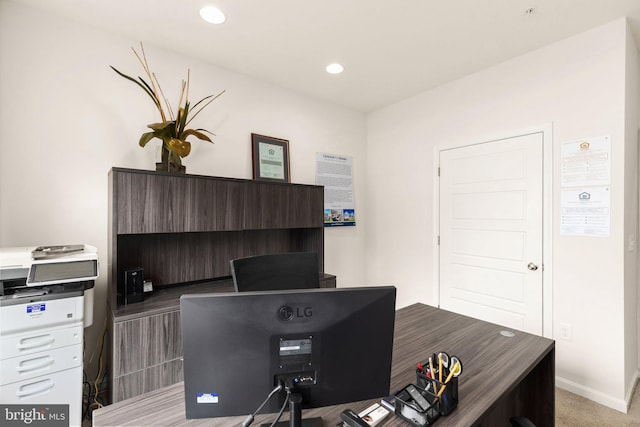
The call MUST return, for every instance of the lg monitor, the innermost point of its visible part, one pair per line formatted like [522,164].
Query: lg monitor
[304,348]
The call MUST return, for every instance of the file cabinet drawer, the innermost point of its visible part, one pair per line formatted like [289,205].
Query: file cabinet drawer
[37,364]
[41,340]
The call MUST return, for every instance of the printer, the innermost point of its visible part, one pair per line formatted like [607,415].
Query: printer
[27,272]
[46,301]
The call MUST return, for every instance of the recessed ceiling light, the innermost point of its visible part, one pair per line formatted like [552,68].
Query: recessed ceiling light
[212,14]
[335,68]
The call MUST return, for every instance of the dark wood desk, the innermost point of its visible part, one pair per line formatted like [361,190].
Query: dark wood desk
[502,377]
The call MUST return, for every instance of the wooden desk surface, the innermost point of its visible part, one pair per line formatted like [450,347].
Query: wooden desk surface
[490,387]
[167,299]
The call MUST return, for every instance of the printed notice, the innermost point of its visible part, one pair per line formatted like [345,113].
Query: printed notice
[586,187]
[586,212]
[586,162]
[335,173]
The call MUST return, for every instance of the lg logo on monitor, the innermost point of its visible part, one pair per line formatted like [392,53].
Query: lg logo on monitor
[287,313]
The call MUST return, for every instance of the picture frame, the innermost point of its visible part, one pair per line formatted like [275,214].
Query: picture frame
[270,158]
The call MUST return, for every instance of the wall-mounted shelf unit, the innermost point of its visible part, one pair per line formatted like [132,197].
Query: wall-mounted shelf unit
[183,230]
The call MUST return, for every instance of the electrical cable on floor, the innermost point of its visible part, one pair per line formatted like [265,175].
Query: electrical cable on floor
[101,365]
[93,389]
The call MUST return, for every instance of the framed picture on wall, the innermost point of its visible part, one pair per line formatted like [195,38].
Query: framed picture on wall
[270,158]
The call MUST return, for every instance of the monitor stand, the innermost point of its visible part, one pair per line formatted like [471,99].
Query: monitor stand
[295,415]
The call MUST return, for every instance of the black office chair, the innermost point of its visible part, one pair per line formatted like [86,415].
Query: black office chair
[295,270]
[521,421]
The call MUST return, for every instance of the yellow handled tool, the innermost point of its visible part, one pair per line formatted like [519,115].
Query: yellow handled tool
[456,369]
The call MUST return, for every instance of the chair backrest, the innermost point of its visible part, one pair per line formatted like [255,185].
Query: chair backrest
[296,270]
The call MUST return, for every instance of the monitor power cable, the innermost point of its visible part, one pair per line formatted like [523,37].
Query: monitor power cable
[247,422]
[284,405]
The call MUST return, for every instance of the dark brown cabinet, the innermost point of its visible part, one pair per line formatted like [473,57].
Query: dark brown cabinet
[183,230]
[158,203]
[263,208]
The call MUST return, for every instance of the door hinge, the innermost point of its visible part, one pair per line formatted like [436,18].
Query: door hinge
[438,240]
[438,170]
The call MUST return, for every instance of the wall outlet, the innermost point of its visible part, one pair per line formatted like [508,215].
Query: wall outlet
[565,331]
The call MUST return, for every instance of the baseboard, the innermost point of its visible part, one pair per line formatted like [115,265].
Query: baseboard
[629,394]
[621,405]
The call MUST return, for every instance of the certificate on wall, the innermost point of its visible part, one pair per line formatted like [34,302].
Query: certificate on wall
[586,162]
[335,173]
[270,158]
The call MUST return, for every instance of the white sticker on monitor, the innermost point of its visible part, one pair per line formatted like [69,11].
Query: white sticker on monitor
[207,398]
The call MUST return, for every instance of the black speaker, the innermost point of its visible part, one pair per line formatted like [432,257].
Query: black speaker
[133,285]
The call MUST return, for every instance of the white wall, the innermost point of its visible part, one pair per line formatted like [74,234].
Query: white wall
[631,214]
[578,85]
[638,202]
[66,118]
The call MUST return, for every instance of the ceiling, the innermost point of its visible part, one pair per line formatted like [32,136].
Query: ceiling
[390,50]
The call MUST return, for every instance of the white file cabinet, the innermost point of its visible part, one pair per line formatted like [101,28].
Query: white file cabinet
[41,353]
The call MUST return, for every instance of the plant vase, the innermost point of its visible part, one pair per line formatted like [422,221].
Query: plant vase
[170,162]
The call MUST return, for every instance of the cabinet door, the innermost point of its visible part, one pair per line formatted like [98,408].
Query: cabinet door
[214,205]
[269,205]
[146,354]
[163,203]
[146,341]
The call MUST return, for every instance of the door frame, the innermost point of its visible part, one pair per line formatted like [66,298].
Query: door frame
[547,213]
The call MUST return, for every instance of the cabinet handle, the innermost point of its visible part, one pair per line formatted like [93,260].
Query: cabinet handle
[48,385]
[44,341]
[25,367]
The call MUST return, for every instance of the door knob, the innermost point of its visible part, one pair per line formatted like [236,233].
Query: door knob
[531,266]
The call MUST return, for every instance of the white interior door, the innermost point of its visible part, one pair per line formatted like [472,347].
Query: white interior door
[491,231]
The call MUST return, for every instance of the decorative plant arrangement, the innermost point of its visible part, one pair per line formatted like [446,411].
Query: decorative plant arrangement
[172,130]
